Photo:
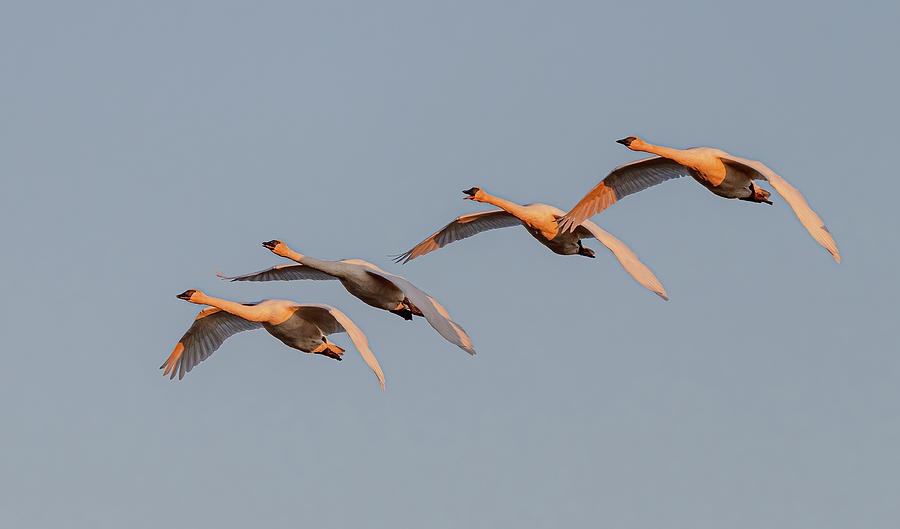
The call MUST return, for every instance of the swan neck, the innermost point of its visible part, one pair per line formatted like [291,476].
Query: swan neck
[506,205]
[665,152]
[251,313]
[329,267]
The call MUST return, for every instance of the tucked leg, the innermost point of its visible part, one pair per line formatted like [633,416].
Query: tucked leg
[587,252]
[412,308]
[403,312]
[328,349]
[757,195]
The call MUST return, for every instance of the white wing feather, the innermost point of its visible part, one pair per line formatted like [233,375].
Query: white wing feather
[627,259]
[789,193]
[435,313]
[341,323]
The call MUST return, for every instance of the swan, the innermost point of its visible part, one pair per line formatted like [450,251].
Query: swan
[725,175]
[541,222]
[372,285]
[303,326]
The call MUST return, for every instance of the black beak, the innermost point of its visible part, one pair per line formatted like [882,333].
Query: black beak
[271,244]
[186,294]
[471,191]
[625,141]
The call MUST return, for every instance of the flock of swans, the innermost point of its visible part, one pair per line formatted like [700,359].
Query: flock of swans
[306,326]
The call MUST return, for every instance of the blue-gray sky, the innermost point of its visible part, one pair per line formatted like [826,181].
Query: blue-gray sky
[145,146]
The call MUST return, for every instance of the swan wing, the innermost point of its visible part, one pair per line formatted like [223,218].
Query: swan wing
[435,313]
[460,228]
[330,320]
[789,193]
[284,272]
[210,329]
[626,257]
[620,182]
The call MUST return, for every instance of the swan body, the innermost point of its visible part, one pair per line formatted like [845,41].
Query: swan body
[302,326]
[723,174]
[372,285]
[540,220]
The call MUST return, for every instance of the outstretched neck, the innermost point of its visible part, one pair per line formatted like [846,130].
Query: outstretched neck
[505,205]
[666,152]
[248,312]
[334,268]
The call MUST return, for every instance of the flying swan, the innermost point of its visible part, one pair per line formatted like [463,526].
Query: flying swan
[303,326]
[725,175]
[540,220]
[372,285]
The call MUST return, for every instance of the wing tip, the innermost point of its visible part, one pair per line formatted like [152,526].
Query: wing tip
[401,258]
[379,374]
[171,362]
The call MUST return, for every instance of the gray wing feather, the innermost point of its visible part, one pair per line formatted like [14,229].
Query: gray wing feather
[460,228]
[620,182]
[285,272]
[321,316]
[638,175]
[209,330]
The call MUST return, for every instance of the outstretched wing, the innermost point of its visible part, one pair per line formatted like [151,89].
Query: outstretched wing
[330,320]
[807,216]
[211,327]
[620,182]
[435,313]
[460,228]
[626,257]
[285,272]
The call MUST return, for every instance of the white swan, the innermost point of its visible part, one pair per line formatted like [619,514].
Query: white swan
[302,326]
[541,222]
[367,282]
[725,175]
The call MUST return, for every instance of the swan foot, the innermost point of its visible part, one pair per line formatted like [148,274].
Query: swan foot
[587,252]
[328,349]
[412,308]
[404,313]
[758,195]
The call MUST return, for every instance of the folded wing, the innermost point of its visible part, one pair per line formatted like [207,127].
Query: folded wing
[460,228]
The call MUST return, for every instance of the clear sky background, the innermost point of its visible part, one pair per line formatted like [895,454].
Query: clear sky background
[145,146]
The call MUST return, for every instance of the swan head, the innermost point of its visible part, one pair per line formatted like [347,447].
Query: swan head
[192,295]
[632,142]
[475,193]
[276,246]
